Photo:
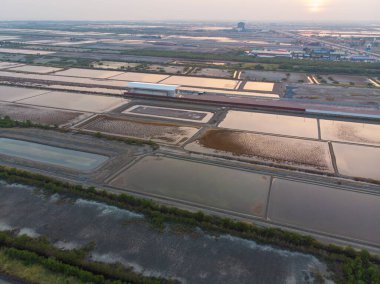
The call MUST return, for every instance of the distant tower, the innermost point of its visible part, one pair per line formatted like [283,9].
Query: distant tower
[369,47]
[241,27]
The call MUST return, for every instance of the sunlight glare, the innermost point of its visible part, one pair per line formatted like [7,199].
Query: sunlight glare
[315,6]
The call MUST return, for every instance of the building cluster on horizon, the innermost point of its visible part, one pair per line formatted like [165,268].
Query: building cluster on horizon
[311,53]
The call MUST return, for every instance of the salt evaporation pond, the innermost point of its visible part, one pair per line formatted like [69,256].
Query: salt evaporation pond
[271,123]
[357,160]
[170,113]
[90,73]
[39,115]
[35,69]
[65,79]
[204,184]
[284,151]
[74,101]
[339,212]
[50,155]
[140,77]
[344,131]
[125,237]
[201,82]
[12,94]
[259,86]
[160,132]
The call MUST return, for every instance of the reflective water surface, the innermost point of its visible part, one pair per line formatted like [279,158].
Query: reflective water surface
[358,161]
[50,155]
[204,184]
[339,212]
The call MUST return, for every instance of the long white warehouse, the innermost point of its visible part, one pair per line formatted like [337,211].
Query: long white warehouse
[152,89]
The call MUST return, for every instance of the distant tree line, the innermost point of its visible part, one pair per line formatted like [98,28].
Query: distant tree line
[284,64]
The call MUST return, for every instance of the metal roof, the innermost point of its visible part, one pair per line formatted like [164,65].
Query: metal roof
[150,86]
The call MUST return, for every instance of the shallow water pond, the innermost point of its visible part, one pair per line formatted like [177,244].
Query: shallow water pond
[324,209]
[50,155]
[203,184]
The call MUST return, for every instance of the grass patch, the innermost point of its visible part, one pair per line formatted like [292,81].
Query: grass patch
[7,122]
[33,273]
[127,140]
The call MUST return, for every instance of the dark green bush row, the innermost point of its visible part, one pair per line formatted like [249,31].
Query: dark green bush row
[360,270]
[69,262]
[159,214]
[52,264]
[7,122]
[127,140]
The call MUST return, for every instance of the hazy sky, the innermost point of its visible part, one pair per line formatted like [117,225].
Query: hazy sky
[221,10]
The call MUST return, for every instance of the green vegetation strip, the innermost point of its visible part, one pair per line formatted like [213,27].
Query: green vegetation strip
[127,140]
[65,263]
[7,122]
[30,272]
[348,265]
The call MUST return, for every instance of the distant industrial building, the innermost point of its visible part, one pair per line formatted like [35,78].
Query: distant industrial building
[152,89]
[271,53]
[310,53]
[327,54]
[363,58]
[300,54]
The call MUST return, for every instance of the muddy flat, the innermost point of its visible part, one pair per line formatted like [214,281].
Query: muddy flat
[160,132]
[265,148]
[38,115]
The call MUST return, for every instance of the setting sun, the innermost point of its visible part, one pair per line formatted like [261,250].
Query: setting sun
[316,6]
